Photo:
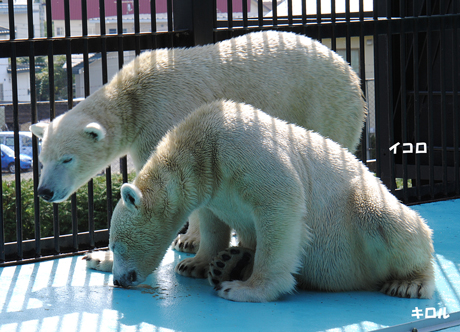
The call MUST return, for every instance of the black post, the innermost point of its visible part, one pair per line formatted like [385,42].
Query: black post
[197,16]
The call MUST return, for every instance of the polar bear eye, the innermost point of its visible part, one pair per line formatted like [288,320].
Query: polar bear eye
[67,160]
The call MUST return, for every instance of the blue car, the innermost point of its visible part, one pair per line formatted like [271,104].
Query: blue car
[8,160]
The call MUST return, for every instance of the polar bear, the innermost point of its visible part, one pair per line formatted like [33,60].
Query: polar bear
[287,75]
[312,213]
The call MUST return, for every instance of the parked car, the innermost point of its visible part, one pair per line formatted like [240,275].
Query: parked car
[8,160]
[25,141]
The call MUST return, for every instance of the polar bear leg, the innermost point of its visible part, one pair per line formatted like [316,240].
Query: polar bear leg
[99,260]
[234,263]
[277,258]
[215,236]
[190,241]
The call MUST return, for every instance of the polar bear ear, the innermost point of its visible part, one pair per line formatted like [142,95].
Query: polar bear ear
[38,129]
[95,130]
[131,195]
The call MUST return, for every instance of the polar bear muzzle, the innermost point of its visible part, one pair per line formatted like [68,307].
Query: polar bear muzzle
[126,280]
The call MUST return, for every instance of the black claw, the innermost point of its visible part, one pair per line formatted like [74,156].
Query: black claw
[175,243]
[217,272]
[227,290]
[181,245]
[218,287]
[186,246]
[192,268]
[220,264]
[215,281]
[225,257]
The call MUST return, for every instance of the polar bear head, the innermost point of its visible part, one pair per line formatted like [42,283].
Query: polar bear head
[74,148]
[141,231]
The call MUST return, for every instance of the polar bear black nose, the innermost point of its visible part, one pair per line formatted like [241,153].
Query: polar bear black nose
[45,193]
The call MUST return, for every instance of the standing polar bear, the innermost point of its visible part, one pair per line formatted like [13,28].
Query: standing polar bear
[309,209]
[287,75]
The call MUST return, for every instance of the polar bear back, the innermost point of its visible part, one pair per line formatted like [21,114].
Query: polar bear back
[287,75]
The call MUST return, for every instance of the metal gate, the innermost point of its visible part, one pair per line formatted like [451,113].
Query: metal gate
[404,51]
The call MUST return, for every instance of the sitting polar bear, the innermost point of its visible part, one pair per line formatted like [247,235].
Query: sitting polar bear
[287,75]
[313,214]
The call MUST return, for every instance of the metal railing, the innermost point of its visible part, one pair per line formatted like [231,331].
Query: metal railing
[396,45]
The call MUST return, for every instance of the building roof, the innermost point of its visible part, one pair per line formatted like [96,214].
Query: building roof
[127,8]
[23,68]
[4,31]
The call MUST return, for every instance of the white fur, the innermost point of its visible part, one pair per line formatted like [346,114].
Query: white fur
[313,213]
[287,75]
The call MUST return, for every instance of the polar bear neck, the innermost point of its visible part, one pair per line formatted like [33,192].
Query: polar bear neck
[182,171]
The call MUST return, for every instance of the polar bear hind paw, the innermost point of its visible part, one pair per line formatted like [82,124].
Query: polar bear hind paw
[418,288]
[99,260]
[234,263]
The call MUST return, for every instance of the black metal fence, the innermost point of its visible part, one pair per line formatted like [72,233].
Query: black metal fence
[405,50]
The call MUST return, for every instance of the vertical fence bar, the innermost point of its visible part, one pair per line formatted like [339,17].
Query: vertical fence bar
[169,6]
[429,61]
[2,225]
[260,13]
[52,111]
[123,160]
[403,71]
[108,170]
[289,12]
[319,18]
[153,18]
[362,75]
[245,13]
[348,36]
[391,103]
[415,54]
[304,13]
[84,24]
[230,14]
[455,105]
[33,115]
[378,137]
[442,69]
[137,27]
[14,85]
[70,106]
[275,12]
[333,23]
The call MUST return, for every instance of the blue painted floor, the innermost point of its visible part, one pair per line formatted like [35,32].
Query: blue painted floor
[61,295]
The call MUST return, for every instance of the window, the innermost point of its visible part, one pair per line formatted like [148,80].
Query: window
[354,58]
[26,141]
[59,31]
[9,141]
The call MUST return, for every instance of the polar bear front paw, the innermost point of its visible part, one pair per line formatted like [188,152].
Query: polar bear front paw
[192,267]
[187,243]
[234,263]
[99,260]
[241,291]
